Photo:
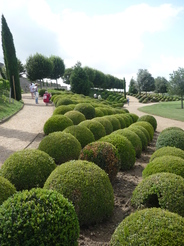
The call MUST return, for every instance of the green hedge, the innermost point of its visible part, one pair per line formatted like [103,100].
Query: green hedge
[164,190]
[87,109]
[38,217]
[87,186]
[149,118]
[7,189]
[167,151]
[75,116]
[106,123]
[95,127]
[140,132]
[152,227]
[28,168]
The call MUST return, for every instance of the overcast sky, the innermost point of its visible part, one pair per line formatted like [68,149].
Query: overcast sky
[114,36]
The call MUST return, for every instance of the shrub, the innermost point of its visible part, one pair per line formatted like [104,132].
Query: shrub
[125,150]
[87,109]
[95,127]
[169,164]
[105,155]
[38,217]
[114,121]
[61,146]
[133,138]
[144,130]
[149,118]
[153,226]
[75,116]
[56,123]
[172,128]
[98,112]
[42,92]
[81,133]
[148,127]
[7,189]
[64,101]
[167,151]
[172,138]
[128,118]
[62,109]
[28,168]
[121,120]
[104,110]
[87,186]
[134,117]
[141,134]
[106,123]
[164,190]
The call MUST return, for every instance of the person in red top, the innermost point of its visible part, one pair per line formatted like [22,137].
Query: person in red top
[46,97]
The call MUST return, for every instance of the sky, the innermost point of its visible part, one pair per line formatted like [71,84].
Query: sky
[115,37]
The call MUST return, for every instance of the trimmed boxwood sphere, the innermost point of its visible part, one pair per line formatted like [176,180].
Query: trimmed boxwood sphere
[144,130]
[164,190]
[169,164]
[87,186]
[149,118]
[106,123]
[125,150]
[56,123]
[81,133]
[28,168]
[134,117]
[87,109]
[38,217]
[64,101]
[114,121]
[151,226]
[75,116]
[167,151]
[173,138]
[148,127]
[172,128]
[105,155]
[7,189]
[98,112]
[62,109]
[121,120]
[95,127]
[133,138]
[140,133]
[61,146]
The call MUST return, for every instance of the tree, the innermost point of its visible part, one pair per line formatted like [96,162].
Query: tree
[79,80]
[21,68]
[10,60]
[145,81]
[161,85]
[176,83]
[58,68]
[133,86]
[38,67]
[66,75]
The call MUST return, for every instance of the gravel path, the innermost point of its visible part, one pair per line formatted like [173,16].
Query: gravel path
[25,129]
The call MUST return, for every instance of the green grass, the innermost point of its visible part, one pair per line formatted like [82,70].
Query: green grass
[171,110]
[8,109]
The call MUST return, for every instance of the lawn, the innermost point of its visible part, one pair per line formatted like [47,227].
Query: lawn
[7,109]
[171,110]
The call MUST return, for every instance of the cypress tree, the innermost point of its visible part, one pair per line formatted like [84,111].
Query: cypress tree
[10,60]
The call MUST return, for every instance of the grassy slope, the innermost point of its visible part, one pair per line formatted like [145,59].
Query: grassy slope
[171,110]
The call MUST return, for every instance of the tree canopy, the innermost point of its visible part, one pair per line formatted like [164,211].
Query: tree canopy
[145,81]
[161,85]
[58,68]
[133,86]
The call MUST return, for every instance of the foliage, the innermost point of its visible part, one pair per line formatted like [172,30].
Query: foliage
[98,112]
[172,138]
[106,123]
[161,85]
[169,164]
[133,87]
[167,150]
[176,83]
[149,128]
[56,123]
[60,146]
[140,132]
[95,127]
[133,138]
[105,155]
[152,226]
[7,189]
[79,80]
[38,217]
[21,68]
[164,190]
[63,101]
[58,68]
[62,109]
[145,81]
[10,60]
[114,121]
[149,118]
[87,109]
[134,117]
[121,120]
[125,150]
[81,133]
[75,116]
[38,67]
[28,168]
[87,186]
